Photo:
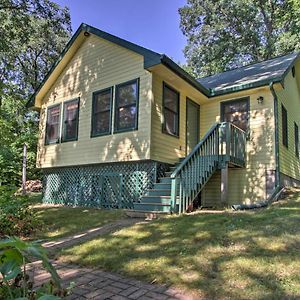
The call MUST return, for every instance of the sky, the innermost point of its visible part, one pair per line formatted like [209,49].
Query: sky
[153,24]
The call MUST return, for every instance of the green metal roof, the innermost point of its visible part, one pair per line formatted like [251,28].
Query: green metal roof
[250,76]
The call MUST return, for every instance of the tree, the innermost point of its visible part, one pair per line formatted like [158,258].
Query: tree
[33,33]
[225,34]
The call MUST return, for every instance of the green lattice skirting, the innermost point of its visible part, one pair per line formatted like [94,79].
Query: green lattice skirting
[115,185]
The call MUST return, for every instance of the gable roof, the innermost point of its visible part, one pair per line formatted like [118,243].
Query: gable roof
[151,58]
[250,76]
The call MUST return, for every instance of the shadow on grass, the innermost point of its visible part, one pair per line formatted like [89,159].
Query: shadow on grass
[246,255]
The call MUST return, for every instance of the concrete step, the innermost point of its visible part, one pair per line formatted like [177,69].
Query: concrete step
[152,207]
[147,215]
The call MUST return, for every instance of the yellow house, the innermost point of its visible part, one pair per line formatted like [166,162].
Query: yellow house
[123,126]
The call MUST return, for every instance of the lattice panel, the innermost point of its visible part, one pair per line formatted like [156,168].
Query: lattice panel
[115,185]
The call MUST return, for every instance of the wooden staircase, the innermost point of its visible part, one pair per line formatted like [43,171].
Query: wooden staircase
[223,144]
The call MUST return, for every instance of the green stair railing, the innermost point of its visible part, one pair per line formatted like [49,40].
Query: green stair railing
[223,143]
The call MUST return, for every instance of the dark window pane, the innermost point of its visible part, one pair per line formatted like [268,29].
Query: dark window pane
[127,94]
[296,130]
[126,116]
[101,112]
[101,122]
[236,113]
[171,111]
[70,120]
[102,101]
[126,106]
[52,126]
[171,99]
[284,126]
[171,122]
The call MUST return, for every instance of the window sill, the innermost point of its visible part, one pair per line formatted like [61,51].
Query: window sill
[94,135]
[125,130]
[170,134]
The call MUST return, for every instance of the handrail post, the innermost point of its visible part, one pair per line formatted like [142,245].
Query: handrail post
[228,141]
[173,193]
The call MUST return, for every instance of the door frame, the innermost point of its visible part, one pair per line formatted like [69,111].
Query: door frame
[192,102]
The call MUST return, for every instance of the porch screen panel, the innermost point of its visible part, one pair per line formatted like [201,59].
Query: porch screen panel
[52,125]
[71,117]
[101,113]
[236,112]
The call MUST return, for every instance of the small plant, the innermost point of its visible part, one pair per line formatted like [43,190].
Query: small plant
[15,283]
[16,217]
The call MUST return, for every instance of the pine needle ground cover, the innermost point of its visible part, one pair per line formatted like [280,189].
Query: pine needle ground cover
[244,255]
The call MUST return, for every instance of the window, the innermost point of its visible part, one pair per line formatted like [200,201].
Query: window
[284,121]
[71,117]
[236,112]
[52,125]
[101,112]
[296,130]
[170,111]
[126,110]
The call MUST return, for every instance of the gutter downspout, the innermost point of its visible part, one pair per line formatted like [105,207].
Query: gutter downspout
[278,189]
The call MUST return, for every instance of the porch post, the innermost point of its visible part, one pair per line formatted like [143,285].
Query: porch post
[224,184]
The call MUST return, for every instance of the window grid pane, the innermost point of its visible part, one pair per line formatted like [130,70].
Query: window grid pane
[171,111]
[126,106]
[70,120]
[101,115]
[52,126]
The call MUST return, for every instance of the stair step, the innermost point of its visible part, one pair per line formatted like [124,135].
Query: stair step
[156,199]
[159,192]
[152,207]
[162,186]
[165,180]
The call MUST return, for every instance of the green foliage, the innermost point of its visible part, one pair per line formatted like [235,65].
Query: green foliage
[225,34]
[33,34]
[16,217]
[15,282]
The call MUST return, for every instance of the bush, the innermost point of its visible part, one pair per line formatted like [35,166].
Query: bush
[15,282]
[16,217]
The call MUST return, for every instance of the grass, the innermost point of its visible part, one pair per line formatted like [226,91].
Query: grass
[62,221]
[245,255]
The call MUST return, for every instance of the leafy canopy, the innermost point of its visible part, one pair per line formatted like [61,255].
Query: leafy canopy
[225,34]
[33,34]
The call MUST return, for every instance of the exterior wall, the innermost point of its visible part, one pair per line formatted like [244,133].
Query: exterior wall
[252,183]
[165,147]
[290,97]
[98,64]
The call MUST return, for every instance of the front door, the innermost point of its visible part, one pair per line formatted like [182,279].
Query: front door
[192,125]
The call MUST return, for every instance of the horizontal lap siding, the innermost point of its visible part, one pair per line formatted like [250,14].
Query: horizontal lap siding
[96,65]
[290,98]
[164,147]
[249,184]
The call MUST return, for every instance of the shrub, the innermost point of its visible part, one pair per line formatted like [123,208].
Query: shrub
[15,282]
[16,217]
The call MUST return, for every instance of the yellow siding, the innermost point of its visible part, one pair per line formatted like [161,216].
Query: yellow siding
[96,65]
[290,98]
[165,147]
[248,184]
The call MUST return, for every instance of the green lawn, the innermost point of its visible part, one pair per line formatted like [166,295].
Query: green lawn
[64,221]
[244,255]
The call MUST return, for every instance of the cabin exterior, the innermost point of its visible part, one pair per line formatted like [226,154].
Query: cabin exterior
[123,126]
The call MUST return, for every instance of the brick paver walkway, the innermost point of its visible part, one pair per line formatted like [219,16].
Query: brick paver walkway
[97,284]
